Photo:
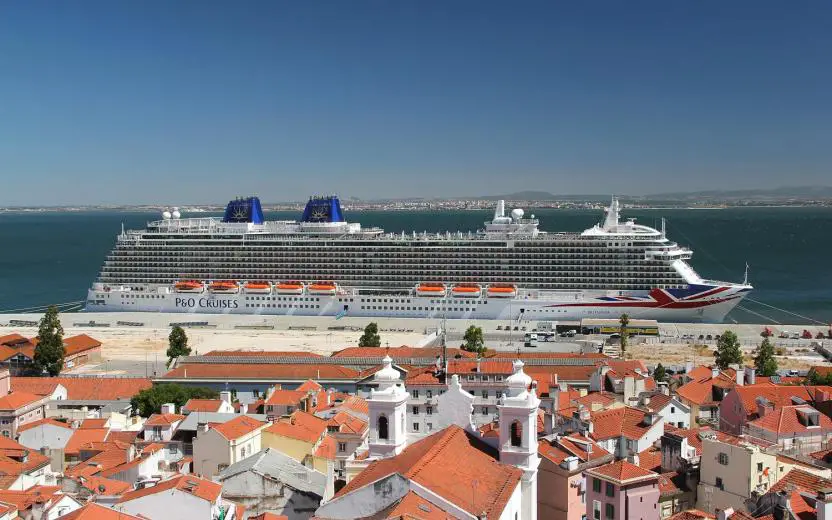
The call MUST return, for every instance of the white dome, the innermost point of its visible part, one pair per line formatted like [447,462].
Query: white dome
[517,213]
[166,215]
[387,372]
[176,213]
[519,379]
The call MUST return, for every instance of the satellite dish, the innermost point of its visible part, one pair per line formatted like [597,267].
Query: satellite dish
[517,214]
[176,213]
[166,215]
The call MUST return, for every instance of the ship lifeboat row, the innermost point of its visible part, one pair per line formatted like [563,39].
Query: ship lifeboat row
[466,290]
[256,287]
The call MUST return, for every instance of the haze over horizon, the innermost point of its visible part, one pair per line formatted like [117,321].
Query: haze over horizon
[192,102]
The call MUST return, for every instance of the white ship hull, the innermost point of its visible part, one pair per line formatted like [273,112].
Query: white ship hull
[699,304]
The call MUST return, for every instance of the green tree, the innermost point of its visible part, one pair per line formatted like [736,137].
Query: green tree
[370,338]
[474,341]
[150,401]
[727,350]
[764,360]
[50,351]
[624,320]
[660,374]
[817,379]
[177,343]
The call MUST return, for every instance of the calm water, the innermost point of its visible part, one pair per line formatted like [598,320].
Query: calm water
[53,257]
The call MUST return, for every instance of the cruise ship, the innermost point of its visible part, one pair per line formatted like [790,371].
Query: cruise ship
[324,265]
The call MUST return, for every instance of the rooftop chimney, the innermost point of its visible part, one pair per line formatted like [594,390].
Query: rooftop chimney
[740,377]
[225,396]
[168,408]
[688,367]
[750,375]
[202,427]
[763,406]
[823,505]
[724,514]
[714,372]
[329,394]
[782,507]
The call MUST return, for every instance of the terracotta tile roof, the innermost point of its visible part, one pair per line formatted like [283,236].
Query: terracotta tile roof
[81,437]
[574,445]
[300,425]
[671,483]
[327,448]
[400,352]
[238,427]
[786,420]
[308,385]
[700,391]
[262,353]
[801,480]
[651,459]
[548,355]
[104,486]
[347,423]
[777,395]
[626,421]
[103,461]
[599,399]
[43,422]
[87,424]
[93,511]
[692,514]
[17,400]
[444,463]
[413,506]
[84,388]
[13,339]
[198,487]
[822,455]
[163,419]
[202,405]
[285,398]
[22,500]
[423,376]
[658,402]
[77,344]
[13,468]
[125,436]
[263,371]
[622,472]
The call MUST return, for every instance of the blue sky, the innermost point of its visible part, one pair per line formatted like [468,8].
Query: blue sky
[195,101]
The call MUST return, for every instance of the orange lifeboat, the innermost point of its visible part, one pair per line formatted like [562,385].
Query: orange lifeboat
[326,288]
[502,291]
[224,286]
[258,287]
[289,288]
[466,290]
[188,286]
[430,289]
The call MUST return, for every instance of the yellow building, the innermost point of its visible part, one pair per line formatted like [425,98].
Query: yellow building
[303,437]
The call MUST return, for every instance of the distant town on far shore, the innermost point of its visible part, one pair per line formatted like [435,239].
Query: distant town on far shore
[816,196]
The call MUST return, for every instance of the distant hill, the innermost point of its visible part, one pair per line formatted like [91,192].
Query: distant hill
[522,195]
[782,193]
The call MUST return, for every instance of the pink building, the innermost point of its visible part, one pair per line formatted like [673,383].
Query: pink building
[561,487]
[621,491]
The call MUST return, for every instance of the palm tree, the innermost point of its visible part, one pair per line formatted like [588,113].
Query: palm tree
[624,320]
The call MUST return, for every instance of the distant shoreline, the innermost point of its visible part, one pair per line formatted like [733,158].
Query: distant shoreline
[405,209]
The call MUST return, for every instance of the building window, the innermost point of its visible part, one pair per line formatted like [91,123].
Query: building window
[430,393]
[610,489]
[719,483]
[415,393]
[722,458]
[596,510]
[429,410]
[485,394]
[383,427]
[609,511]
[415,427]
[516,434]
[415,410]
[596,485]
[485,410]
[672,409]
[342,447]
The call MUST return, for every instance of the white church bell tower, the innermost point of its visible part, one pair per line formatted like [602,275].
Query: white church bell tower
[518,434]
[387,409]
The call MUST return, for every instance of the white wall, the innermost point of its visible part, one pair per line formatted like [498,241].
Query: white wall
[45,436]
[168,504]
[675,413]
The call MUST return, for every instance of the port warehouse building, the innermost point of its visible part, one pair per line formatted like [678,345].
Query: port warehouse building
[351,370]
